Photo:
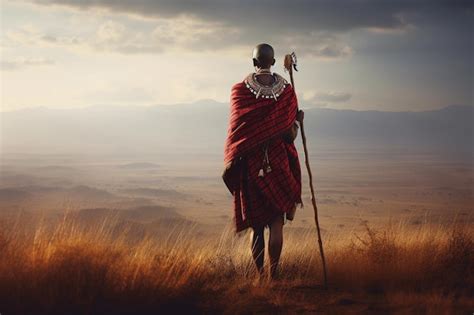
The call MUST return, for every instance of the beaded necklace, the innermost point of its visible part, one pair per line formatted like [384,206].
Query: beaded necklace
[264,91]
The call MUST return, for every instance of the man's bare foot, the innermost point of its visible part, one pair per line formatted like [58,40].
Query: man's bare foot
[275,273]
[260,279]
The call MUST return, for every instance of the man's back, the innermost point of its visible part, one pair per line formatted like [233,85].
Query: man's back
[266,176]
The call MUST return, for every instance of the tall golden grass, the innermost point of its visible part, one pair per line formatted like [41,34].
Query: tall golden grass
[69,268]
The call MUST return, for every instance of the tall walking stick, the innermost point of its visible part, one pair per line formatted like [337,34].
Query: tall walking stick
[290,64]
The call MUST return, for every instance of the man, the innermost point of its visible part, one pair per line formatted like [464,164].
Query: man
[262,169]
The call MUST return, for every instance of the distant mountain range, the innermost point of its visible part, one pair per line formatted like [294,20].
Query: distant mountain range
[201,127]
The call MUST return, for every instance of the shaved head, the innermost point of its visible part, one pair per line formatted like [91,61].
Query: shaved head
[263,56]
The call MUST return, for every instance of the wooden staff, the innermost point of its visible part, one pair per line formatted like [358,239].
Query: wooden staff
[290,64]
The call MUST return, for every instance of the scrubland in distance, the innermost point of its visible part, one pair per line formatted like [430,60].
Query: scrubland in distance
[71,268]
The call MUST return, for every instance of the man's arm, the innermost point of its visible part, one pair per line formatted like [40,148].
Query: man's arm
[290,135]
[230,176]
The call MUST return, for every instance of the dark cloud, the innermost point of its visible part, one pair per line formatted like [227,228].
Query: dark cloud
[312,27]
[320,15]
[304,15]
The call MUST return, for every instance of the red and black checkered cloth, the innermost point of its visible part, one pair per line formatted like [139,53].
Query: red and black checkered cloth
[252,124]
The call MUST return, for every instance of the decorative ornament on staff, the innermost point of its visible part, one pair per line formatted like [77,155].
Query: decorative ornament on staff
[290,64]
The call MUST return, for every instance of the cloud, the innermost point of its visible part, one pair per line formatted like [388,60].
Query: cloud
[322,45]
[22,62]
[304,14]
[325,98]
[333,97]
[316,29]
[111,94]
[113,36]
[337,15]
[29,35]
[182,33]
[150,38]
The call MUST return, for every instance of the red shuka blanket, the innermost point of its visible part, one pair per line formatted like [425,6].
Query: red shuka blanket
[252,124]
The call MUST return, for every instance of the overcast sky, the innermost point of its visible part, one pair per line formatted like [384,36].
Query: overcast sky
[383,55]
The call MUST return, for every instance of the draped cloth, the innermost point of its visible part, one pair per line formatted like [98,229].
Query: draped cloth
[256,123]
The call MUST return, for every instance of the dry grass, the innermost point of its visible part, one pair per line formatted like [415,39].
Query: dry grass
[72,269]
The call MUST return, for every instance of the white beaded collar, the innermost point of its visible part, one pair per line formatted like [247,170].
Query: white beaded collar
[264,91]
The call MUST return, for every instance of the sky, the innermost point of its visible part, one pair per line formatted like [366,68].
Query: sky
[358,54]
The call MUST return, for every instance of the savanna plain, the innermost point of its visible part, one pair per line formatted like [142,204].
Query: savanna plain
[84,234]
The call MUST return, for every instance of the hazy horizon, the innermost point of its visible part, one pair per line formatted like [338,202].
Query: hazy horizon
[302,104]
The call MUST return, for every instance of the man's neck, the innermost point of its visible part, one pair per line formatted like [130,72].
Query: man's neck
[265,77]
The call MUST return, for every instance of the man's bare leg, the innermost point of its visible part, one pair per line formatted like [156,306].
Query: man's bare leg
[258,248]
[275,244]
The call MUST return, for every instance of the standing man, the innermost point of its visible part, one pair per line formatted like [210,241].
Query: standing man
[262,169]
